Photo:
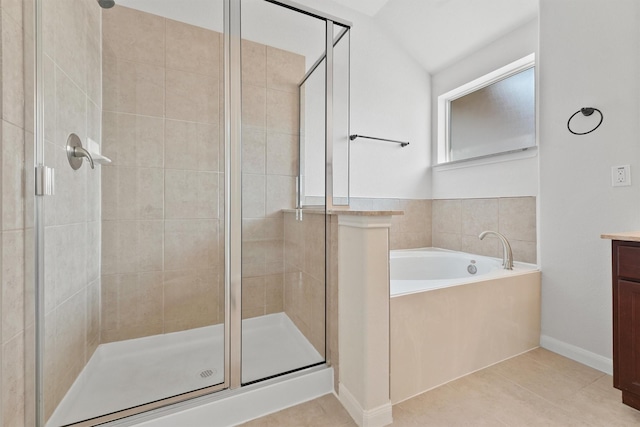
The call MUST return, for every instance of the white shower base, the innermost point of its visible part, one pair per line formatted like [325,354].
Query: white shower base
[129,373]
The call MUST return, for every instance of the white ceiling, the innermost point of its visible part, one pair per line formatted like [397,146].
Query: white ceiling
[437,33]
[368,7]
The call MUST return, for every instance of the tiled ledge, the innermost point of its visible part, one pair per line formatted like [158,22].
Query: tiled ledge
[319,211]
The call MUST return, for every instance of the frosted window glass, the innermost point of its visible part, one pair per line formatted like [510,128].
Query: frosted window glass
[495,119]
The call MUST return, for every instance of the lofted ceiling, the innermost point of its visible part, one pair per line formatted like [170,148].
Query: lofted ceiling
[438,33]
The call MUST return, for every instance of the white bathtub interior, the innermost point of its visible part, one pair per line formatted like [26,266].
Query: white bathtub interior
[128,373]
[416,270]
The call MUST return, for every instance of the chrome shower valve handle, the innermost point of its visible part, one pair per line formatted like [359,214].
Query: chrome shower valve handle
[75,152]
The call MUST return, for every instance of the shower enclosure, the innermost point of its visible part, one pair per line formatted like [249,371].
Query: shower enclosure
[180,134]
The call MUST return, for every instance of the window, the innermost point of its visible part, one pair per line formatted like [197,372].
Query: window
[492,115]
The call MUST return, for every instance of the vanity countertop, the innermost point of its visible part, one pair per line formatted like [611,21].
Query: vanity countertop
[630,236]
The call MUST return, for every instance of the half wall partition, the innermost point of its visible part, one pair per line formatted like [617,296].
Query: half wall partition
[164,268]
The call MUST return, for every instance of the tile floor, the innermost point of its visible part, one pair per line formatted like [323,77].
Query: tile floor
[538,388]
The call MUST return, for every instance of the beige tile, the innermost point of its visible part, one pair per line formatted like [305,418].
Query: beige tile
[132,246]
[191,146]
[447,216]
[282,111]
[12,71]
[253,293]
[596,405]
[254,64]
[92,327]
[544,380]
[190,244]
[131,306]
[285,70]
[489,246]
[13,284]
[70,335]
[134,87]
[191,97]
[451,241]
[94,65]
[134,140]
[133,193]
[70,204]
[253,150]
[280,194]
[71,110]
[254,106]
[282,154]
[191,48]
[134,35]
[12,177]
[190,299]
[190,194]
[253,196]
[71,40]
[69,243]
[13,382]
[479,215]
[518,218]
[49,98]
[524,251]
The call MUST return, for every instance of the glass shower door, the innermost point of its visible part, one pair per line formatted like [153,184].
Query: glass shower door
[134,297]
[283,252]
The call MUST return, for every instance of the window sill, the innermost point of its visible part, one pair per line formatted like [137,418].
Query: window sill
[487,160]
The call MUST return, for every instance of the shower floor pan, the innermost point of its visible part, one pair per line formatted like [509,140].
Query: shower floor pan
[129,373]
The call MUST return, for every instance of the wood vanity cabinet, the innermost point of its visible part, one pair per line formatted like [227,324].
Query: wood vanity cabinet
[626,320]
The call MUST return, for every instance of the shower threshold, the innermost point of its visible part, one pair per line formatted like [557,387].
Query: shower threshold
[129,373]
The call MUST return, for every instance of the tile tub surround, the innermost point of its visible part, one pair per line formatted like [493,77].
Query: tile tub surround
[458,222]
[440,335]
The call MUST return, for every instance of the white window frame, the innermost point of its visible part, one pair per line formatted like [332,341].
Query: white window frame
[444,102]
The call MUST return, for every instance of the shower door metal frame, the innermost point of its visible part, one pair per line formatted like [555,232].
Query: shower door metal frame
[232,217]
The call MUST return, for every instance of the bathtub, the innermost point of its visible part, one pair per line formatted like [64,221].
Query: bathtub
[417,270]
[449,320]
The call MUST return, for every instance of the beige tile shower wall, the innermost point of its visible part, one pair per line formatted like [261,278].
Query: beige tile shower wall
[408,231]
[72,93]
[14,144]
[304,283]
[457,224]
[161,226]
[270,131]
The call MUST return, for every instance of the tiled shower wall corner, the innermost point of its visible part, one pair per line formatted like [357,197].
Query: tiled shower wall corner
[16,225]
[162,259]
[457,224]
[161,227]
[72,104]
[270,105]
[304,283]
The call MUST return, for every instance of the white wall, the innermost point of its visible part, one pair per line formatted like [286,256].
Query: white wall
[390,98]
[498,178]
[589,56]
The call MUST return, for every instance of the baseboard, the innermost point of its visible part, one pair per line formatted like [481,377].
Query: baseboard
[578,354]
[376,417]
